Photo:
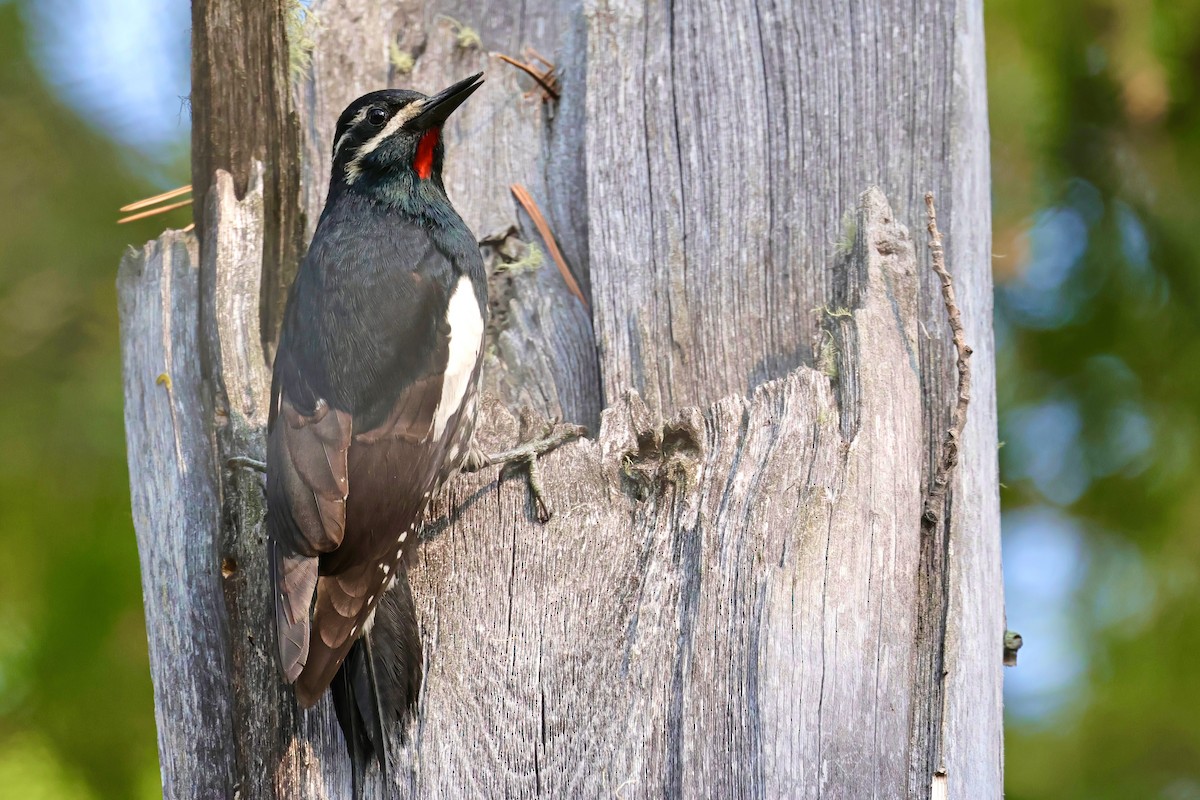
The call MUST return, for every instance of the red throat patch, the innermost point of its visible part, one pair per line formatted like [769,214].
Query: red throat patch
[423,163]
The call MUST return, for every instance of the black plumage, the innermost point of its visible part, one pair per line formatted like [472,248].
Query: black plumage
[372,406]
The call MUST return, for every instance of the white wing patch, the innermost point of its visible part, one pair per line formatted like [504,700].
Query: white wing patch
[466,337]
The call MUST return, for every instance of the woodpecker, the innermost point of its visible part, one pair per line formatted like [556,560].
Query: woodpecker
[373,399]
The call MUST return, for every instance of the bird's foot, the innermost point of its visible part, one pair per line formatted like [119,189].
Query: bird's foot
[553,437]
[525,455]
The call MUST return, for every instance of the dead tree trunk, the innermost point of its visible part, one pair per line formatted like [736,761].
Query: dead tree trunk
[736,596]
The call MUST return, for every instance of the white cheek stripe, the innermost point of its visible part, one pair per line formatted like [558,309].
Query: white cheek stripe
[394,124]
[466,338]
[359,117]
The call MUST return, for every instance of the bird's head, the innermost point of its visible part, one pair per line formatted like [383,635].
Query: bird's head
[392,138]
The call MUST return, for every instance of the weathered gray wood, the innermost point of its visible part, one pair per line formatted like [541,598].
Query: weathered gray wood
[675,628]
[972,729]
[737,134]
[242,113]
[175,510]
[267,721]
[736,601]
[723,605]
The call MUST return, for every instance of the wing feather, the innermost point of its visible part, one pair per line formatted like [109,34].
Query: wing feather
[352,453]
[295,582]
[393,469]
[307,484]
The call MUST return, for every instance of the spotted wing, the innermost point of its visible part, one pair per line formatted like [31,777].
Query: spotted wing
[343,510]
[308,445]
[392,468]
[362,425]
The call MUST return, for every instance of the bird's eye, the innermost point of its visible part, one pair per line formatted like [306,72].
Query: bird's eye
[377,116]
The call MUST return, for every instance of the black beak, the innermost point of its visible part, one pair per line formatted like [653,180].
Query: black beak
[442,104]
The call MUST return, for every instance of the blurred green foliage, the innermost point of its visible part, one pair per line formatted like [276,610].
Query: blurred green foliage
[1096,153]
[76,713]
[1096,158]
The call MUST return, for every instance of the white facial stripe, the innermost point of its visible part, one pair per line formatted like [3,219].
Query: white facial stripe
[466,338]
[359,117]
[354,168]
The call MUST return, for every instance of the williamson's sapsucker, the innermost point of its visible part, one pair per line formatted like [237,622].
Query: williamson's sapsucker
[373,401]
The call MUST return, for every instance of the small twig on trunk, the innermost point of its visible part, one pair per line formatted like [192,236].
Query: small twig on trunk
[560,435]
[935,504]
[156,199]
[1012,643]
[546,80]
[245,462]
[154,211]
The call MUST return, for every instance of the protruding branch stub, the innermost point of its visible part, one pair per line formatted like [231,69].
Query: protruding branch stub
[1012,643]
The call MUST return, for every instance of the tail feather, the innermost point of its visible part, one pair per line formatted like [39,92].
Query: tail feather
[295,582]
[358,743]
[396,643]
[378,684]
[368,696]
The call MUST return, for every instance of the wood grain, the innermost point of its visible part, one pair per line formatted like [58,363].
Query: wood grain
[734,598]
[175,510]
[746,129]
[242,112]
[723,605]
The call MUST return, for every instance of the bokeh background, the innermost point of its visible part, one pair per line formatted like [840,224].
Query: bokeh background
[1096,162]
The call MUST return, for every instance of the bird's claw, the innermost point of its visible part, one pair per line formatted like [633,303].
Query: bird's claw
[526,455]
